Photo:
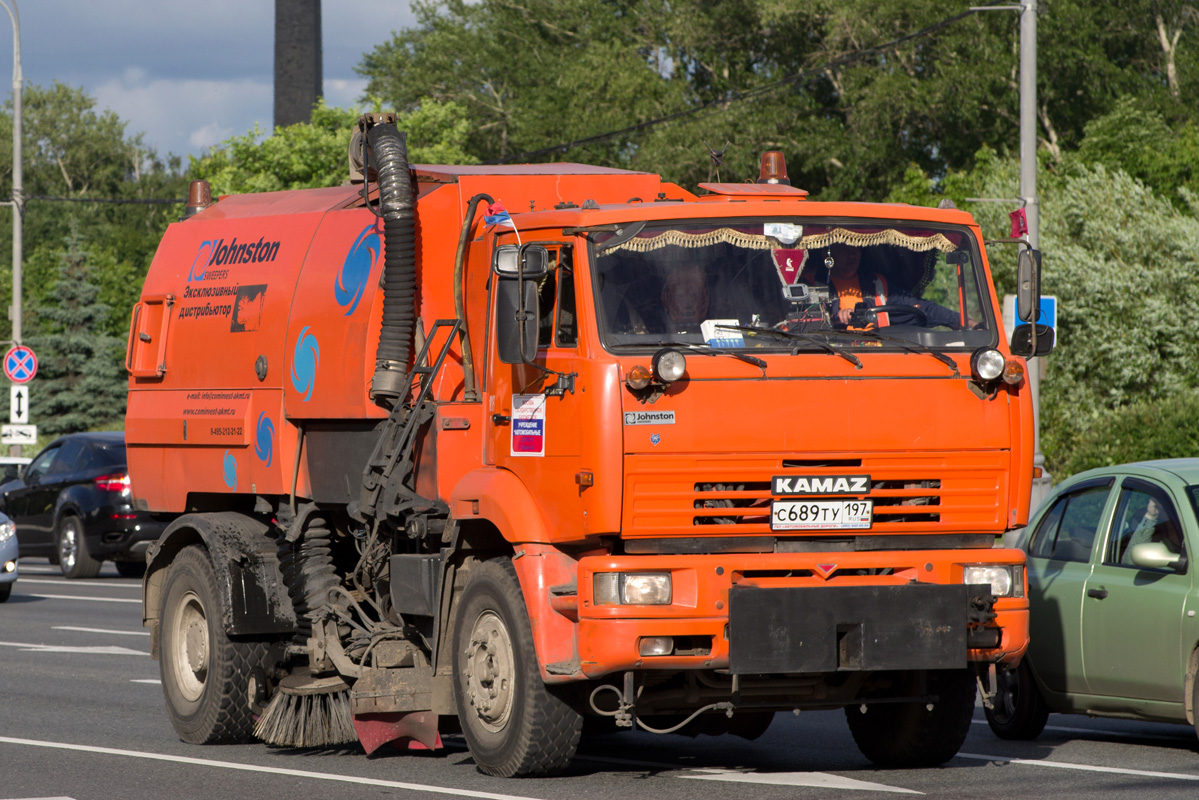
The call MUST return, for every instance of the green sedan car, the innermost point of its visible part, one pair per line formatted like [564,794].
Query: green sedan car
[1114,630]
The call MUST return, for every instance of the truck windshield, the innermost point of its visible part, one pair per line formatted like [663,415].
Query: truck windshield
[747,285]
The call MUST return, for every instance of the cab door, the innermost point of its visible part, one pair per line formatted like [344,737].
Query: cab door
[533,409]
[1132,616]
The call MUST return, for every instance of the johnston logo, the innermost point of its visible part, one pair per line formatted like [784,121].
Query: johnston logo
[215,252]
[812,484]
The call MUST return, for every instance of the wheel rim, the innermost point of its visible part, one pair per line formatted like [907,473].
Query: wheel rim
[189,647]
[68,546]
[490,671]
[1006,695]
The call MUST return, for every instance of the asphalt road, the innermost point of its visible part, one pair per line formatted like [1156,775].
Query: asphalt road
[82,716]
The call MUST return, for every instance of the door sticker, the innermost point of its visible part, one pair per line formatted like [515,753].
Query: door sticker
[528,425]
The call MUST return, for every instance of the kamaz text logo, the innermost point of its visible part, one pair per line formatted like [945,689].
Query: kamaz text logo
[811,484]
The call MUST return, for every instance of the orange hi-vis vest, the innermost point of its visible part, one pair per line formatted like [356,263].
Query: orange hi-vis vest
[849,294]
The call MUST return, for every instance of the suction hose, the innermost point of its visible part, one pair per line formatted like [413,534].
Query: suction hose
[389,156]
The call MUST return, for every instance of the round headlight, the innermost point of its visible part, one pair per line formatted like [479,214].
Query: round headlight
[669,365]
[987,364]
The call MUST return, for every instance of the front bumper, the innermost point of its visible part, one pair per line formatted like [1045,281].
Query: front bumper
[803,613]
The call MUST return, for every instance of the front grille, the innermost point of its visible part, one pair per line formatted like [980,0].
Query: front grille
[926,493]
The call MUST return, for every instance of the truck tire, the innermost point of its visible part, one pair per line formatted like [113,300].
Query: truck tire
[205,674]
[513,723]
[911,734]
[1019,710]
[73,558]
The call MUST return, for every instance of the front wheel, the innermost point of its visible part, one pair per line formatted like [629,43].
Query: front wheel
[917,734]
[1019,712]
[513,723]
[73,558]
[205,674]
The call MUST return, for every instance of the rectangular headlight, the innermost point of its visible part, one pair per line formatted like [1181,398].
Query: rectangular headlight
[631,588]
[1006,580]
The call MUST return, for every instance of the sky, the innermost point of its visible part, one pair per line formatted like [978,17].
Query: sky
[187,75]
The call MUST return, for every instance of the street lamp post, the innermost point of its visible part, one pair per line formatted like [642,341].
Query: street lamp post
[18,199]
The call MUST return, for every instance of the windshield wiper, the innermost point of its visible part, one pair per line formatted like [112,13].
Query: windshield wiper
[911,347]
[703,350]
[803,337]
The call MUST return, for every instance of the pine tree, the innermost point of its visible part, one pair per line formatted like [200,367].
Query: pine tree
[80,384]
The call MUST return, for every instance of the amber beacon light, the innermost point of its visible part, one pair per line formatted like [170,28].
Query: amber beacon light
[774,168]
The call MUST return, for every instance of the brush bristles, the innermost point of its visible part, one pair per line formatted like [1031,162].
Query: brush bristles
[310,720]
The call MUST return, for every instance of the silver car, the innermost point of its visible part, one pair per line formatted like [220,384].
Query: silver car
[8,557]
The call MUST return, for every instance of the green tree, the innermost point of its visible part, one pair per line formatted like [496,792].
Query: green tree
[313,154]
[1167,427]
[72,152]
[81,382]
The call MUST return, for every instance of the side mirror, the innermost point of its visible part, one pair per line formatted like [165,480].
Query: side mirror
[1022,341]
[517,310]
[1154,555]
[1028,285]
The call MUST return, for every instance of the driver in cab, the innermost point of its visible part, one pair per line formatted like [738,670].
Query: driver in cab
[848,287]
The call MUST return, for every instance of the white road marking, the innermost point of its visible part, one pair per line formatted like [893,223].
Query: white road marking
[146,680]
[105,584]
[818,779]
[1141,773]
[53,648]
[101,630]
[822,780]
[295,773]
[79,597]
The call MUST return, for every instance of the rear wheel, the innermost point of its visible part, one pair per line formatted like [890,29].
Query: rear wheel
[205,674]
[513,723]
[917,734]
[1019,711]
[73,558]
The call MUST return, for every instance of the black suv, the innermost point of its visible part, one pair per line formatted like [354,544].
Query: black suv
[73,504]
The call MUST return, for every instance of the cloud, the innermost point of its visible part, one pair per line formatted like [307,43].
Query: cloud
[189,75]
[196,114]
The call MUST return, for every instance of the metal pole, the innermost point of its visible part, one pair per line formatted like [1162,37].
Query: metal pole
[18,196]
[1032,210]
[18,188]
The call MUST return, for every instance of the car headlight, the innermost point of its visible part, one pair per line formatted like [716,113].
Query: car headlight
[7,530]
[1005,580]
[631,588]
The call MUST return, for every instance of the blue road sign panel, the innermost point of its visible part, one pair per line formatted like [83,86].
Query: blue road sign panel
[20,364]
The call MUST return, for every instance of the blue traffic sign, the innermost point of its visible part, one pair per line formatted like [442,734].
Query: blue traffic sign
[20,364]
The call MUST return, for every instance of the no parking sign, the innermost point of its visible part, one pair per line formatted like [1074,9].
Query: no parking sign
[20,364]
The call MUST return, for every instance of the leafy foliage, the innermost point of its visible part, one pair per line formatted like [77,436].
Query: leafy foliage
[1166,427]
[313,154]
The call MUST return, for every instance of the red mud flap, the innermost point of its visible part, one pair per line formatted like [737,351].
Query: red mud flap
[417,730]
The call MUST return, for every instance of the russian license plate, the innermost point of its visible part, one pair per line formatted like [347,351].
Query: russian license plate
[792,515]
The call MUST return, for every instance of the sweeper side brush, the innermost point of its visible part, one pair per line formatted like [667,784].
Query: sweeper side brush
[308,712]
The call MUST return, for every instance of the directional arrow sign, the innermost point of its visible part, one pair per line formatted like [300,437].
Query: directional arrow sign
[18,404]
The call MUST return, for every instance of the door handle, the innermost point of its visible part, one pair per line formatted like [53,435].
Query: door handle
[1098,593]
[500,419]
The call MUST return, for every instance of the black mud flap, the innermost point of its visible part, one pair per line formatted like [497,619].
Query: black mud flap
[847,628]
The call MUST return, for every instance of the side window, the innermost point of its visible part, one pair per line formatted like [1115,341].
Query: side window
[1068,531]
[566,331]
[70,457]
[1144,513]
[40,464]
[546,294]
